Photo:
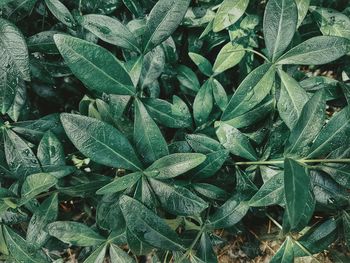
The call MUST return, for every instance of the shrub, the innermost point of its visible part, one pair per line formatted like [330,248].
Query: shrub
[135,128]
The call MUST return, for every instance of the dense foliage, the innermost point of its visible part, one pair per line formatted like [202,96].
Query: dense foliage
[142,127]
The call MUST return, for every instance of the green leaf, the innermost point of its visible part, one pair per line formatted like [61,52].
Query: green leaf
[331,22]
[147,226]
[235,141]
[187,78]
[8,88]
[297,188]
[250,92]
[318,238]
[177,200]
[98,256]
[110,30]
[16,10]
[152,67]
[285,253]
[176,115]
[19,248]
[95,66]
[256,114]
[333,135]
[205,249]
[280,21]
[13,49]
[61,12]
[202,143]
[211,165]
[19,155]
[120,184]
[43,215]
[229,56]
[43,42]
[339,172]
[203,102]
[134,7]
[219,94]
[209,191]
[291,100]
[118,255]
[202,63]
[228,13]
[137,246]
[316,51]
[175,164]
[229,214]
[75,233]
[148,139]
[50,151]
[346,226]
[99,141]
[303,7]
[35,184]
[270,193]
[108,213]
[164,18]
[308,125]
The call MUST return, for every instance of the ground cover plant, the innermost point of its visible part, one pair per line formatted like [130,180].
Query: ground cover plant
[136,130]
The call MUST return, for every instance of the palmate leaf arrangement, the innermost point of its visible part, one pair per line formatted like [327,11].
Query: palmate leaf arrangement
[160,162]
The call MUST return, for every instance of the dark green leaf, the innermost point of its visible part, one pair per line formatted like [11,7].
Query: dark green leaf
[291,101]
[19,155]
[285,254]
[177,199]
[95,66]
[75,233]
[270,193]
[35,184]
[229,56]
[50,151]
[280,21]
[120,183]
[333,135]
[203,102]
[175,164]
[202,63]
[98,255]
[164,18]
[250,92]
[316,51]
[13,49]
[99,141]
[110,30]
[46,213]
[61,12]
[211,165]
[297,187]
[147,226]
[229,214]
[20,250]
[228,13]
[148,139]
[235,141]
[174,115]
[118,255]
[308,125]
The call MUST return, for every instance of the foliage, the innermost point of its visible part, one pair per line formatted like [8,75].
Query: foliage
[150,125]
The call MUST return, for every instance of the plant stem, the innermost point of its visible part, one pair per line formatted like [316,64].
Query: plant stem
[189,250]
[347,160]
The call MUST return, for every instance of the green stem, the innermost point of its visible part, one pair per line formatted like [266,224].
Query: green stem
[300,160]
[189,250]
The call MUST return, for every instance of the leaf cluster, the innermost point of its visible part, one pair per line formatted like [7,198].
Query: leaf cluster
[134,128]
